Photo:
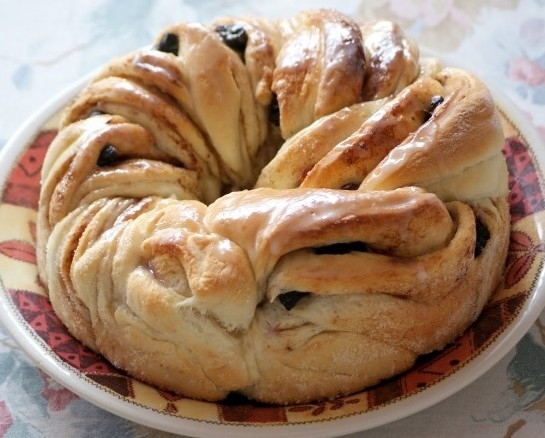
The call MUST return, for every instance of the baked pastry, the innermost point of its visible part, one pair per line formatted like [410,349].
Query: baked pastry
[293,210]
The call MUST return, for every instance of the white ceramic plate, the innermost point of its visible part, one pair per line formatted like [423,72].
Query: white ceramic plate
[29,318]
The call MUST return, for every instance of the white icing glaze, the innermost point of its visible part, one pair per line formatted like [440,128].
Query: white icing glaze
[268,223]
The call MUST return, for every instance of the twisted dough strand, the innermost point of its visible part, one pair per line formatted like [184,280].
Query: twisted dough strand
[366,221]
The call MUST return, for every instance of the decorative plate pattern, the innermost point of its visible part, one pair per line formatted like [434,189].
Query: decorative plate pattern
[28,312]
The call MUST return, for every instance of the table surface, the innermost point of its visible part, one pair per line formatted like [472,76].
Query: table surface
[48,45]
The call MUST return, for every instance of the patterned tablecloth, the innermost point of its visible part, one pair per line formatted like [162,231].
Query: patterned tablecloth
[48,45]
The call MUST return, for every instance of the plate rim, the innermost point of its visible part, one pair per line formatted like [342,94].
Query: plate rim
[416,402]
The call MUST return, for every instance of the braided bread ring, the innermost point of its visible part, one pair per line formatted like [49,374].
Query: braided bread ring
[274,208]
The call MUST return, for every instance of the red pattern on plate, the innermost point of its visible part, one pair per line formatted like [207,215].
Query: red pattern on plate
[522,254]
[526,198]
[37,311]
[317,409]
[23,185]
[249,413]
[19,250]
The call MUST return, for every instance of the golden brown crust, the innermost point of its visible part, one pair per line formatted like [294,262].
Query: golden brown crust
[319,69]
[375,233]
[300,153]
[354,157]
[392,59]
[454,154]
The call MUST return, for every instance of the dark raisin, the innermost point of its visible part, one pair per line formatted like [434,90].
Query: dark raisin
[435,101]
[107,156]
[234,36]
[168,43]
[235,399]
[274,111]
[290,299]
[350,186]
[342,248]
[483,234]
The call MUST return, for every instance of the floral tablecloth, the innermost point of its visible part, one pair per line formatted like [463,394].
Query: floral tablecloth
[48,45]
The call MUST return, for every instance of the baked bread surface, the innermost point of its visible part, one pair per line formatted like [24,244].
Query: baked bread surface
[293,210]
